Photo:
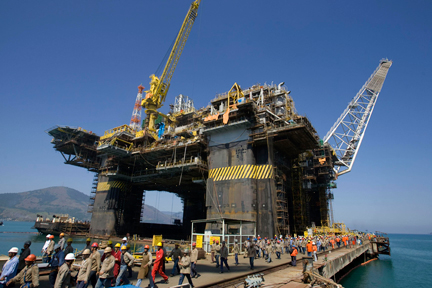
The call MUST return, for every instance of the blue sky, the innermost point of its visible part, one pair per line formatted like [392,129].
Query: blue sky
[79,63]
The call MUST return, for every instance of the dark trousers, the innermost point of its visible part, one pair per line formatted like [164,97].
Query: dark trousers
[217,260]
[251,262]
[193,269]
[129,272]
[188,277]
[81,284]
[278,254]
[53,277]
[224,260]
[294,260]
[236,258]
[175,267]
[93,278]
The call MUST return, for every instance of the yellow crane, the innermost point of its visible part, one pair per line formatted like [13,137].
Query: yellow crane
[159,86]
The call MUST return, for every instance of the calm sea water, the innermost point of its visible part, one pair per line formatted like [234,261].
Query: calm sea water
[409,266]
[14,234]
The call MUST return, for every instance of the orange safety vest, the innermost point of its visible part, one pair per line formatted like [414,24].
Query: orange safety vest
[337,239]
[309,247]
[314,248]
[295,252]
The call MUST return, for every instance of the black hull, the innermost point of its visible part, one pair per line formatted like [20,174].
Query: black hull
[57,228]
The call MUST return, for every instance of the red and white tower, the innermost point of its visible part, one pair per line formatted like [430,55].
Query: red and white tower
[136,114]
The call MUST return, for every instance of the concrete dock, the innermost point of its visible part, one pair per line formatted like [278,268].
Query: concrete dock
[282,273]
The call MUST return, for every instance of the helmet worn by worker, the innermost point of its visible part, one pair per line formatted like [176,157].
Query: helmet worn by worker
[124,248]
[146,247]
[88,240]
[69,240]
[107,250]
[13,250]
[193,244]
[128,246]
[109,242]
[124,239]
[159,244]
[27,243]
[117,245]
[30,258]
[186,251]
[69,257]
[86,252]
[95,245]
[235,240]
[48,236]
[51,237]
[217,241]
[62,234]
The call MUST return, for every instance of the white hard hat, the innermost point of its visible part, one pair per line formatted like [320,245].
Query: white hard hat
[124,239]
[86,252]
[70,256]
[13,250]
[48,235]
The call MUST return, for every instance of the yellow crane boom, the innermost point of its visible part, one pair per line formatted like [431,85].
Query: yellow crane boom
[159,86]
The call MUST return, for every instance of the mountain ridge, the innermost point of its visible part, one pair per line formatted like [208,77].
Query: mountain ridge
[24,206]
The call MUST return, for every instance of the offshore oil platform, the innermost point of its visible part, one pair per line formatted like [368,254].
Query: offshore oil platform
[248,155]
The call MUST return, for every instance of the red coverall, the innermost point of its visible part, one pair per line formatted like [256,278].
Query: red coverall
[158,265]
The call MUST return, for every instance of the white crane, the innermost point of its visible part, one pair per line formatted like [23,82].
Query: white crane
[347,133]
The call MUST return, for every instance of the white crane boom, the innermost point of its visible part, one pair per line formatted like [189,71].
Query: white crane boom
[347,133]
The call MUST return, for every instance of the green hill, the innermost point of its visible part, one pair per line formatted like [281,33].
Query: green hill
[25,206]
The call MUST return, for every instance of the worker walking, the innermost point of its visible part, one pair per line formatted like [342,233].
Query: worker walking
[44,248]
[126,261]
[236,250]
[185,268]
[194,260]
[212,251]
[56,262]
[314,249]
[309,249]
[294,253]
[63,279]
[62,240]
[117,257]
[50,248]
[175,255]
[69,249]
[95,259]
[10,267]
[85,270]
[24,253]
[251,254]
[146,268]
[106,273]
[217,251]
[29,276]
[224,256]
[158,264]
[88,247]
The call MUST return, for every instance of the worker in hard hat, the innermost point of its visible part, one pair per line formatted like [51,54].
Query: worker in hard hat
[185,268]
[146,268]
[106,273]
[83,276]
[194,260]
[64,274]
[124,242]
[24,253]
[236,251]
[44,248]
[175,255]
[88,246]
[56,262]
[62,241]
[50,249]
[128,249]
[224,257]
[293,253]
[251,252]
[217,253]
[126,261]
[314,249]
[212,251]
[117,256]
[29,276]
[158,263]
[69,249]
[95,258]
[10,268]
